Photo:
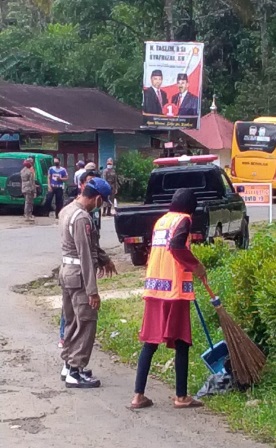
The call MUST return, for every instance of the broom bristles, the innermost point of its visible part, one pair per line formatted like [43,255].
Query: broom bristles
[247,360]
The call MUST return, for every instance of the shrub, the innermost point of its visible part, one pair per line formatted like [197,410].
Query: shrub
[246,282]
[211,255]
[133,174]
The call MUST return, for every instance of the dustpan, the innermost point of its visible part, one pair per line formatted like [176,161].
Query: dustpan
[214,358]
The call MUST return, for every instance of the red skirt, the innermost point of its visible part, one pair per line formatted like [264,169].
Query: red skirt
[165,321]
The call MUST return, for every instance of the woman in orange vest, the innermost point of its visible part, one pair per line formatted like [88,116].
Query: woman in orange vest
[168,292]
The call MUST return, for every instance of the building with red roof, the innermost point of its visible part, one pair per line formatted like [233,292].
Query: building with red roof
[213,137]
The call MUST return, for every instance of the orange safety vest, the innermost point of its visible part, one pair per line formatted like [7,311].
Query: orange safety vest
[165,277]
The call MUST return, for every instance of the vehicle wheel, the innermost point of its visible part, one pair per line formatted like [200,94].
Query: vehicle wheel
[139,257]
[242,240]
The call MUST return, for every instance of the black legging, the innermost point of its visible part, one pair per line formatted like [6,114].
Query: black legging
[181,367]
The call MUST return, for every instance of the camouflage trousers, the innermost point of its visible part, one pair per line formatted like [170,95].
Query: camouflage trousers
[29,204]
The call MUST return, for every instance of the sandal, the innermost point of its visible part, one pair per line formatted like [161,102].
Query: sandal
[146,403]
[188,404]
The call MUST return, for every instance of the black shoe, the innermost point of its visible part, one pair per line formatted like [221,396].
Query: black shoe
[65,372]
[75,379]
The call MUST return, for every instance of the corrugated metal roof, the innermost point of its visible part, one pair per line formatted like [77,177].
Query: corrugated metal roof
[85,109]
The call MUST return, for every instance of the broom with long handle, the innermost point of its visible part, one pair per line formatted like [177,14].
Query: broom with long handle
[247,360]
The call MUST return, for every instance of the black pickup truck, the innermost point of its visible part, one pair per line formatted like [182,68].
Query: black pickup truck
[220,212]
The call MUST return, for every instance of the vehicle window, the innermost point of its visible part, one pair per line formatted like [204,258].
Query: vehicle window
[44,167]
[227,185]
[10,166]
[253,136]
[48,163]
[173,181]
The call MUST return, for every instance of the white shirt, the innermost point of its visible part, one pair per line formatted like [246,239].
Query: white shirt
[77,176]
[181,97]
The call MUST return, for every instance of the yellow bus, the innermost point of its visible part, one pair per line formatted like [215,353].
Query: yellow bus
[254,151]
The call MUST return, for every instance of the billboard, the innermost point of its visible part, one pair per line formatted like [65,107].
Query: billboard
[42,143]
[172,85]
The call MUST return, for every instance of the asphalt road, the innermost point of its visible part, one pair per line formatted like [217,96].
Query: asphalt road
[36,411]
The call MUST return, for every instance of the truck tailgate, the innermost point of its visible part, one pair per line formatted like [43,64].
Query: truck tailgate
[140,220]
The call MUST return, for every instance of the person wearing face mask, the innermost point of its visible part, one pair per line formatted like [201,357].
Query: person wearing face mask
[109,174]
[78,280]
[102,262]
[28,189]
[57,175]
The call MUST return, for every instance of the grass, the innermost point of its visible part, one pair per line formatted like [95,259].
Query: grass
[252,412]
[127,280]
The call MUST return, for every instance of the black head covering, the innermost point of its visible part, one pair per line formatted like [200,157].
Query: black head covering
[182,77]
[157,73]
[183,201]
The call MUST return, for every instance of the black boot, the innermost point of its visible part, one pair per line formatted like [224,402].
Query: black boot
[108,211]
[104,211]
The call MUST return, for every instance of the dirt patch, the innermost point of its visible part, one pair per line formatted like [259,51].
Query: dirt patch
[16,358]
[48,394]
[31,425]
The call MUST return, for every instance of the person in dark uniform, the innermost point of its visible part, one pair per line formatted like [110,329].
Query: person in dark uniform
[109,174]
[78,280]
[186,102]
[155,98]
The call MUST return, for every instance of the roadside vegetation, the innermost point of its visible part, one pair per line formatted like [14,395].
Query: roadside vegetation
[246,282]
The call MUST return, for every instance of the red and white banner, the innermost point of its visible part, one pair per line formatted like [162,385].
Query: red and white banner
[172,85]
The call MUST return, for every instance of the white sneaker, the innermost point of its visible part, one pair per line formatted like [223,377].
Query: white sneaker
[64,372]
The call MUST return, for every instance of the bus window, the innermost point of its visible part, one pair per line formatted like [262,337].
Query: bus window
[254,152]
[256,137]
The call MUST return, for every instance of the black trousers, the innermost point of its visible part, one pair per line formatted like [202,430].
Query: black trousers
[58,193]
[181,367]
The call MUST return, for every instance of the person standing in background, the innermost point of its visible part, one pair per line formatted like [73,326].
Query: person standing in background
[109,174]
[28,189]
[80,170]
[57,175]
[91,166]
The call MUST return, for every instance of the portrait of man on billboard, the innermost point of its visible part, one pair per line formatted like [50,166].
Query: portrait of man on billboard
[186,102]
[154,97]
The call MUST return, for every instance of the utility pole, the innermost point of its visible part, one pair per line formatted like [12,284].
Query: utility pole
[169,19]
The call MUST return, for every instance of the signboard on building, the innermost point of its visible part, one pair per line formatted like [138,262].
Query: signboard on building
[258,195]
[39,143]
[9,137]
[172,85]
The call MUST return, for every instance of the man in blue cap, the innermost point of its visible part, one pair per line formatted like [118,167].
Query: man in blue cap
[78,280]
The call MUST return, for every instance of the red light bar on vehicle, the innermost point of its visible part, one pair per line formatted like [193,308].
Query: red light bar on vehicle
[171,161]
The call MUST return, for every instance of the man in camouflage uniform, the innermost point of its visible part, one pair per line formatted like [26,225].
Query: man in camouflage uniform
[28,188]
[78,280]
[109,174]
